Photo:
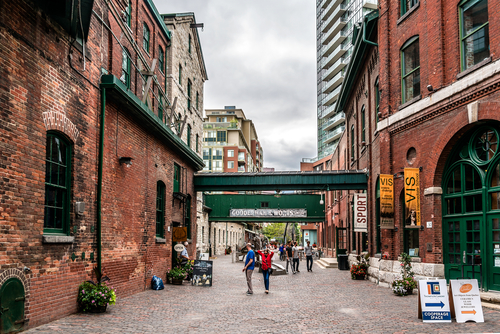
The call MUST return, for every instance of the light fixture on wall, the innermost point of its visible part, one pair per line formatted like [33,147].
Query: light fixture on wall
[321,202]
[125,160]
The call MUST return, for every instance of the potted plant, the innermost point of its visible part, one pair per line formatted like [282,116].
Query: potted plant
[359,270]
[94,297]
[176,275]
[188,268]
[405,285]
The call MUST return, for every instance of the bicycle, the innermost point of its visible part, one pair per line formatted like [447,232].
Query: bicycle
[318,254]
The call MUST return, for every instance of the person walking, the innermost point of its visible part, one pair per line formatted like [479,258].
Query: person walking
[295,250]
[289,255]
[249,267]
[266,266]
[309,256]
[282,252]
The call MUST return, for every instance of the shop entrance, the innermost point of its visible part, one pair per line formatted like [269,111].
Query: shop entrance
[471,207]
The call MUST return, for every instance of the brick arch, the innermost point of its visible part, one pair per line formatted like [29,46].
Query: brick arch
[57,121]
[19,274]
[450,136]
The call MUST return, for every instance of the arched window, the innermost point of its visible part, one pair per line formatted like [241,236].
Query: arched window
[189,94]
[363,124]
[145,37]
[160,209]
[57,184]
[125,77]
[161,59]
[189,135]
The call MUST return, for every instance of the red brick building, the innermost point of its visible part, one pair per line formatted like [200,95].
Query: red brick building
[432,110]
[94,170]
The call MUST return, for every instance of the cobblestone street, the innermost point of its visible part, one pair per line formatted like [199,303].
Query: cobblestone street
[326,301]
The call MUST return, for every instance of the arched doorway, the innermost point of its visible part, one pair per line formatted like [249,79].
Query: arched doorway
[12,299]
[471,207]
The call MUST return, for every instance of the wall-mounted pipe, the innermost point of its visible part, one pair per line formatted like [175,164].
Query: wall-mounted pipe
[99,180]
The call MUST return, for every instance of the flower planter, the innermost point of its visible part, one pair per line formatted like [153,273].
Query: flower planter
[359,277]
[98,309]
[176,281]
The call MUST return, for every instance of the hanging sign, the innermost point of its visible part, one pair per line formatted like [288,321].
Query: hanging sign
[386,201]
[302,213]
[360,213]
[433,301]
[179,234]
[466,302]
[412,197]
[178,248]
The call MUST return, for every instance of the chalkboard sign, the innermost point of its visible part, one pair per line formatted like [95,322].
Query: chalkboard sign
[202,273]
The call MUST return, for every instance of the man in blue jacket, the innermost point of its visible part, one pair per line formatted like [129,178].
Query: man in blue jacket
[249,267]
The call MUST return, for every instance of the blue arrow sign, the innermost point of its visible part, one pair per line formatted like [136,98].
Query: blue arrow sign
[440,304]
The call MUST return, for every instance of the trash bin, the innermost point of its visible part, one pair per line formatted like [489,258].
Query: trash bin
[343,261]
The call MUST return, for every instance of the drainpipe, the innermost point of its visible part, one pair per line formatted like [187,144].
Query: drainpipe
[364,40]
[99,180]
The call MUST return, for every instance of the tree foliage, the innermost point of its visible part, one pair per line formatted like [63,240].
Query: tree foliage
[276,231]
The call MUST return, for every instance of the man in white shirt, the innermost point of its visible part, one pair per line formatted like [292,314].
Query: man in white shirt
[295,250]
[308,250]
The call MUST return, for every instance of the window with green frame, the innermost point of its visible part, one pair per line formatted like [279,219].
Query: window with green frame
[180,74]
[128,13]
[410,234]
[189,46]
[177,178]
[363,124]
[377,100]
[410,70]
[406,5]
[179,121]
[474,32]
[187,220]
[352,143]
[189,136]
[197,100]
[221,136]
[126,68]
[160,108]
[189,94]
[378,237]
[57,184]
[160,209]
[197,143]
[145,37]
[161,59]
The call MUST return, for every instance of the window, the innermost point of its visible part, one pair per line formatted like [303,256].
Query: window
[363,124]
[197,143]
[352,143]
[177,178]
[221,119]
[161,59]
[410,237]
[377,100]
[189,45]
[187,220]
[125,77]
[221,136]
[406,5]
[145,38]
[179,121]
[218,154]
[230,153]
[230,164]
[241,156]
[57,184]
[207,153]
[474,32]
[180,74]
[203,234]
[160,209]
[128,14]
[264,204]
[189,135]
[189,94]
[410,70]
[197,100]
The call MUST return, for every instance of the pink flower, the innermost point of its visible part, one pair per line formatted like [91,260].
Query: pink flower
[93,301]
[83,291]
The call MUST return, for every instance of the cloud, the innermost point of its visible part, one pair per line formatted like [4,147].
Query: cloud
[261,57]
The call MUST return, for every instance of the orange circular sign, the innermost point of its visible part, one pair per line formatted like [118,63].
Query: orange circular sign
[465,288]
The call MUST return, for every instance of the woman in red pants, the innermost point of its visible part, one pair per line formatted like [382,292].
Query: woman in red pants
[266,266]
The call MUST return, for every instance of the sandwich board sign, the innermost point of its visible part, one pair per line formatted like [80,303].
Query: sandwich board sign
[433,301]
[466,301]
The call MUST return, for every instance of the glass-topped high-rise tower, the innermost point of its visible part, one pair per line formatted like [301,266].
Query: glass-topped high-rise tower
[335,20]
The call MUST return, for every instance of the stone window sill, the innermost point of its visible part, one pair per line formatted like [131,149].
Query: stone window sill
[161,240]
[473,68]
[57,239]
[408,13]
[406,104]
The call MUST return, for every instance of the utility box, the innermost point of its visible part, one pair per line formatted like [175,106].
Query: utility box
[343,260]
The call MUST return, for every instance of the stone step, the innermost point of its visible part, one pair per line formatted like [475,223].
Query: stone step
[327,262]
[491,299]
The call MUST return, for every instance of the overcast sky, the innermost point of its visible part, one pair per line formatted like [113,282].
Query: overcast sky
[261,57]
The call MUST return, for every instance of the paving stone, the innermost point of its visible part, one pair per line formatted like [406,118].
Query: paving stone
[324,301]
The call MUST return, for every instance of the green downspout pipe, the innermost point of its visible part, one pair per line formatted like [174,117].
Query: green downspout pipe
[99,180]
[364,40]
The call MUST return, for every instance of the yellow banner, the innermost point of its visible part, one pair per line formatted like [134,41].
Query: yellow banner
[386,201]
[412,197]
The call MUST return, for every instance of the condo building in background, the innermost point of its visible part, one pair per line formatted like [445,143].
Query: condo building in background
[230,142]
[335,20]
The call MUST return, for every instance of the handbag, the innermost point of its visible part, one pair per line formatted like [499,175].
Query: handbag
[270,271]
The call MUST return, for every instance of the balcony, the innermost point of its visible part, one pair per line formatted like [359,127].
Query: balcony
[370,4]
[337,39]
[329,6]
[329,111]
[334,121]
[332,97]
[326,3]
[335,134]
[333,83]
[335,55]
[334,69]
[220,125]
[339,24]
[309,160]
